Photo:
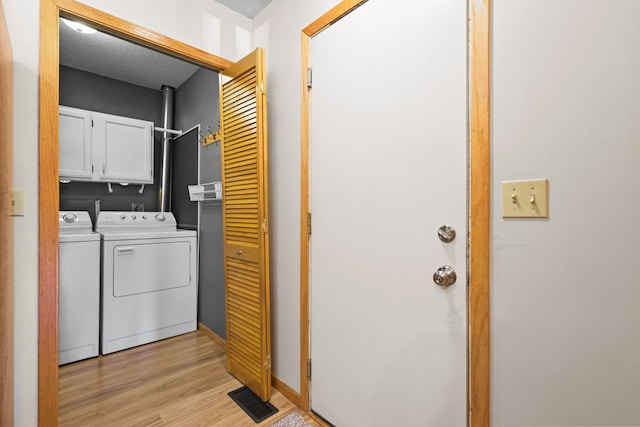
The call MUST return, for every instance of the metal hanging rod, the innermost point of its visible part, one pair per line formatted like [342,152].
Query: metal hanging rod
[183,133]
[171,131]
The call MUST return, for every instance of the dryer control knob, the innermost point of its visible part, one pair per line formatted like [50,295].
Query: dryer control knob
[69,217]
[160,217]
[123,217]
[133,217]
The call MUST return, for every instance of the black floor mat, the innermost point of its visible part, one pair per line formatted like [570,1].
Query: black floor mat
[252,404]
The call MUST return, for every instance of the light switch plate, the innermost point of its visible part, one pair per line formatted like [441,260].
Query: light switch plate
[525,199]
[17,202]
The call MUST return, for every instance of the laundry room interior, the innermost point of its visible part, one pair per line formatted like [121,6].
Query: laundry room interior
[101,74]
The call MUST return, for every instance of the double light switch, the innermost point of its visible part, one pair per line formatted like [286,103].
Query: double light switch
[525,199]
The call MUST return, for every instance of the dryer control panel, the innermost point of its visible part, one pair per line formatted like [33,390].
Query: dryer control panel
[135,221]
[74,222]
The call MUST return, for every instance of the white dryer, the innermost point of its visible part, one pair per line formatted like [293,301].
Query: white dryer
[79,290]
[149,278]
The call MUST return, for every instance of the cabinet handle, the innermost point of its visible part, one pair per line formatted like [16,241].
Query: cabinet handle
[128,250]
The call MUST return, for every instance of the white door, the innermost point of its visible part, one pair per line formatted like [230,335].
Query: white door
[388,168]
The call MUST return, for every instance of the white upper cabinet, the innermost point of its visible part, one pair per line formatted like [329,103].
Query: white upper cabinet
[76,155]
[119,149]
[124,149]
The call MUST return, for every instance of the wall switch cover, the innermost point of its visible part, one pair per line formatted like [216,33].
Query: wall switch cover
[17,202]
[525,199]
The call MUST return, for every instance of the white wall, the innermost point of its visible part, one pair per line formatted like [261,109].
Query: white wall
[22,20]
[277,28]
[566,291]
[205,24]
[201,23]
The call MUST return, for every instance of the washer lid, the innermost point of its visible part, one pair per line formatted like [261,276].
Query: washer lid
[75,222]
[80,237]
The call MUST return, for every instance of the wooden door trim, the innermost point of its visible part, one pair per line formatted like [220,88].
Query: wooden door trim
[334,14]
[6,225]
[50,12]
[479,392]
[478,407]
[304,223]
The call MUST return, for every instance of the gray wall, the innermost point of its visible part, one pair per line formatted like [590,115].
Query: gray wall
[93,92]
[197,102]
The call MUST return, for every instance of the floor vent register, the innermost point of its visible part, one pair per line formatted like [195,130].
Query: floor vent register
[252,404]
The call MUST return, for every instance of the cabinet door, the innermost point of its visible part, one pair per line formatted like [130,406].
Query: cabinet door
[75,144]
[125,149]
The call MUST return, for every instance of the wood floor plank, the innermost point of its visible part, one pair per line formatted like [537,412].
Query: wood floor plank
[181,381]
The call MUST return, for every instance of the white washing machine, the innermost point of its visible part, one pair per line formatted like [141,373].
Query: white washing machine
[79,291]
[149,279]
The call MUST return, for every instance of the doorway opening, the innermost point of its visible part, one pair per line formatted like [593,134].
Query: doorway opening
[49,196]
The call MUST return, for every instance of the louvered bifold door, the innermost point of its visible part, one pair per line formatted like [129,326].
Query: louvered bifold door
[245,216]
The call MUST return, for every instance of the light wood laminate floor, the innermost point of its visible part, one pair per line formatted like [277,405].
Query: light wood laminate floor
[180,381]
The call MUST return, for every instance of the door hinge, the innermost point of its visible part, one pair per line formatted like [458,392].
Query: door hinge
[265,225]
[267,362]
[309,369]
[309,223]
[309,77]
[263,88]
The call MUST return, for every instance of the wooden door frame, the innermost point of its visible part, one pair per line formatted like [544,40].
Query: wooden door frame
[479,196]
[50,12]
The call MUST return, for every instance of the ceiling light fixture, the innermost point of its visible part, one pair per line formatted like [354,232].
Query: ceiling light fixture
[81,28]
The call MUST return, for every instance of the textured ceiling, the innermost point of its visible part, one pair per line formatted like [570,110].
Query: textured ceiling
[248,8]
[109,56]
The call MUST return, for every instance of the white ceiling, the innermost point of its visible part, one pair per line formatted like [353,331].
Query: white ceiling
[248,8]
[112,57]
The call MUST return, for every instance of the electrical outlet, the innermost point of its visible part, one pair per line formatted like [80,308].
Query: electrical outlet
[137,207]
[525,199]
